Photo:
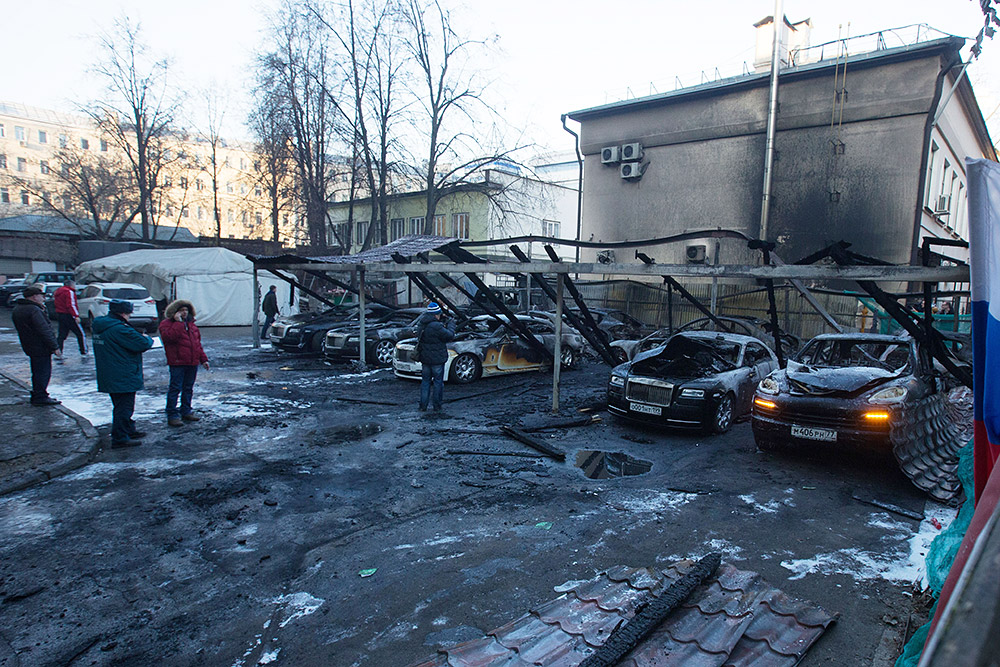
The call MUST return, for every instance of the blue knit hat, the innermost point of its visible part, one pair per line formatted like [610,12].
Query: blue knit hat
[118,306]
[433,308]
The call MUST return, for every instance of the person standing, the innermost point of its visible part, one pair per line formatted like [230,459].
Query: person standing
[182,344]
[37,341]
[118,352]
[68,316]
[270,308]
[432,335]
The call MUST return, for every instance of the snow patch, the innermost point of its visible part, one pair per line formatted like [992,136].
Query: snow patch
[298,605]
[770,507]
[655,502]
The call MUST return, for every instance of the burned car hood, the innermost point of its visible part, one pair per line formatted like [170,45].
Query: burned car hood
[836,380]
[680,358]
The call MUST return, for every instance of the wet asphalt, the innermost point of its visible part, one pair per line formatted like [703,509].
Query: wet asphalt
[315,517]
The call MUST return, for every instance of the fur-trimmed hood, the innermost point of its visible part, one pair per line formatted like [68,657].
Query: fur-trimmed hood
[177,305]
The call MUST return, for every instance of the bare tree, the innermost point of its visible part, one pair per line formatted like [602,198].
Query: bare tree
[211,136]
[295,74]
[137,111]
[272,167]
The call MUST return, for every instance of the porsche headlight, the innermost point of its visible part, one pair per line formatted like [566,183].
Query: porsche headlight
[888,395]
[768,386]
[617,380]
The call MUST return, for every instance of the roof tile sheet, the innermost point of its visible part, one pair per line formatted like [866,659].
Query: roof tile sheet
[734,618]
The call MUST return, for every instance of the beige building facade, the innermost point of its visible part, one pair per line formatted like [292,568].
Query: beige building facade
[42,153]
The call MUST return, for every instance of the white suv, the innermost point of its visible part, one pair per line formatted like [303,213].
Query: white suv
[95,297]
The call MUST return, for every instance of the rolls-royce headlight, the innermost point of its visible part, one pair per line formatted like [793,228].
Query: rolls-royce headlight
[768,386]
[888,395]
[617,380]
[692,393]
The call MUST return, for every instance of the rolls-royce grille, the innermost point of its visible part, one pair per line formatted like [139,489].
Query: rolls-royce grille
[649,390]
[278,330]
[336,340]
[405,353]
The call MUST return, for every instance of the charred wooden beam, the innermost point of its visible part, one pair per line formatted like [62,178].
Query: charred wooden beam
[533,442]
[429,290]
[296,283]
[349,288]
[765,248]
[594,339]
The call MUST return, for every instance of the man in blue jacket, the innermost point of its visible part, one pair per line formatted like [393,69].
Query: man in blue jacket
[433,335]
[118,352]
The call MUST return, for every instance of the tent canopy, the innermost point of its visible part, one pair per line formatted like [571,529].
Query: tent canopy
[218,281]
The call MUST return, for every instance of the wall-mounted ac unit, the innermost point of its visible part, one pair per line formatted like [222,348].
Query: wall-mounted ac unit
[609,155]
[632,151]
[631,170]
[943,206]
[696,254]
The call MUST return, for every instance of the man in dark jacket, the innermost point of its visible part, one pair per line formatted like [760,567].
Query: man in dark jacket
[182,345]
[118,352]
[270,308]
[37,341]
[433,335]
[68,315]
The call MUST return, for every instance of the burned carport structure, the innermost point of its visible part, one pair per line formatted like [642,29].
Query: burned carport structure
[410,256]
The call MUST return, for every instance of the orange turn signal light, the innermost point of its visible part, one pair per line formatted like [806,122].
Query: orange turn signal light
[880,415]
[761,403]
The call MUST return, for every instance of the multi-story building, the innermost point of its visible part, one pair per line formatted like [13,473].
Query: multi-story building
[213,188]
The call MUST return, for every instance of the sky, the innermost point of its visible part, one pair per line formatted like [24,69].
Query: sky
[551,56]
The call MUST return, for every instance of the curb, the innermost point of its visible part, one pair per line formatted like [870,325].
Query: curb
[72,461]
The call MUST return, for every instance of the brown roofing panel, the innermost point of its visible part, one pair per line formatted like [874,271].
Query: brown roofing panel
[735,618]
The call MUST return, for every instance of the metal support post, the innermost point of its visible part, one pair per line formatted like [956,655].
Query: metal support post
[256,310]
[362,340]
[557,362]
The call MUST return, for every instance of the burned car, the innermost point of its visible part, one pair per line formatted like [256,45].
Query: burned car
[694,379]
[842,388]
[381,336]
[304,332]
[746,326]
[484,349]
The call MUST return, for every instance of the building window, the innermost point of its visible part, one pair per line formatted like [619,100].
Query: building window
[63,141]
[3,160]
[22,164]
[229,215]
[550,228]
[243,216]
[417,225]
[170,211]
[243,163]
[4,196]
[257,191]
[229,188]
[362,231]
[184,182]
[258,218]
[67,202]
[185,213]
[44,166]
[342,232]
[85,144]
[243,189]
[43,137]
[461,225]
[397,228]
[198,185]
[440,226]
[201,213]
[104,145]
[2,132]
[24,197]
[64,169]
[19,133]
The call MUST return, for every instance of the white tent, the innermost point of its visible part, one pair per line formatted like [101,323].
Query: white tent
[219,282]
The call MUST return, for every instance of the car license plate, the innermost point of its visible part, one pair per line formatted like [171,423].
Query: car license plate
[645,409]
[824,434]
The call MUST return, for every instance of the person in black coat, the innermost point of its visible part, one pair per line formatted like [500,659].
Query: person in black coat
[38,342]
[433,336]
[270,308]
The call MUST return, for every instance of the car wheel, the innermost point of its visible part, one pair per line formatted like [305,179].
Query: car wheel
[383,353]
[466,368]
[723,418]
[621,356]
[568,357]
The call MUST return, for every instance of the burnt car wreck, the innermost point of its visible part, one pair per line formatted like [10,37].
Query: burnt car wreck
[695,379]
[863,391]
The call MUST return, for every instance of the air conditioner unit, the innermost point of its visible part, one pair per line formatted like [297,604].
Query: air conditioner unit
[943,205]
[631,170]
[696,254]
[609,155]
[632,151]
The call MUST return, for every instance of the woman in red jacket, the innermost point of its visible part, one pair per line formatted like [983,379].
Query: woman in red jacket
[182,343]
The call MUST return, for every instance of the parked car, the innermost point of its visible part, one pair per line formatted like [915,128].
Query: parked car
[94,299]
[49,277]
[304,332]
[381,336]
[50,298]
[486,349]
[8,289]
[48,288]
[846,389]
[625,350]
[694,379]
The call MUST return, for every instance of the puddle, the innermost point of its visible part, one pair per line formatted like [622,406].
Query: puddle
[342,433]
[605,465]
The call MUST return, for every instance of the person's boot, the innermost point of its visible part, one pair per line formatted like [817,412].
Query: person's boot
[175,421]
[48,400]
[191,417]
[125,443]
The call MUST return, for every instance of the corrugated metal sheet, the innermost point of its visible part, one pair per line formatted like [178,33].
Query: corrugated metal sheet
[734,618]
[408,246]
[926,442]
